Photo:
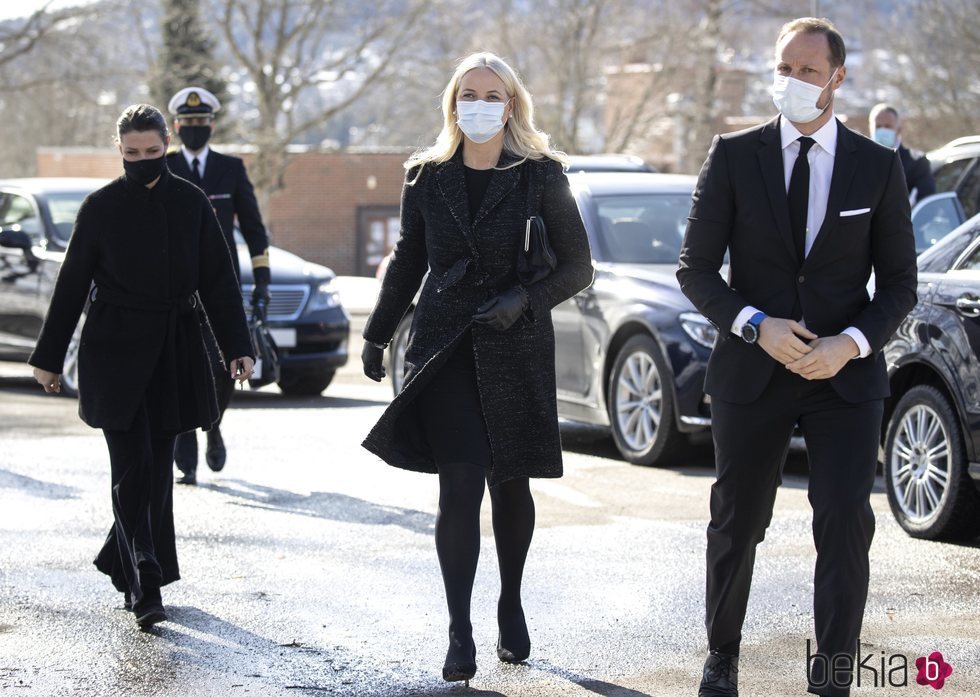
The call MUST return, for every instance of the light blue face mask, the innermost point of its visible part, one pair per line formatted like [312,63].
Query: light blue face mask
[887,137]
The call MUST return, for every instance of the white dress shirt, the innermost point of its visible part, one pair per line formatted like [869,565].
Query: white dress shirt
[821,159]
[202,158]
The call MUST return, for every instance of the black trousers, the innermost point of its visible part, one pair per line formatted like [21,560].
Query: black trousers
[751,443]
[186,447]
[141,548]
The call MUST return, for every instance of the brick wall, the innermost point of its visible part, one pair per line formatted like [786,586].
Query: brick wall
[318,213]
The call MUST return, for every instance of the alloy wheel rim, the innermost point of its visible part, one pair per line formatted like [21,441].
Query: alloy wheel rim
[639,401]
[920,463]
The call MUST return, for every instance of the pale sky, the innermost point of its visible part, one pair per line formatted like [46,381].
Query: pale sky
[23,8]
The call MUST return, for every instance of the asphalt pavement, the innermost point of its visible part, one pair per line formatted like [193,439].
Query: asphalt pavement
[309,568]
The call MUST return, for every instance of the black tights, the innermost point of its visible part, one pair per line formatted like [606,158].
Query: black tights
[461,487]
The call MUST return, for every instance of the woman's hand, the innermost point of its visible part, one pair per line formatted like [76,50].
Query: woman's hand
[241,368]
[372,356]
[51,382]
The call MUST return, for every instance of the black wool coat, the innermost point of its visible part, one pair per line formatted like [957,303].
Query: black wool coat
[468,264]
[147,251]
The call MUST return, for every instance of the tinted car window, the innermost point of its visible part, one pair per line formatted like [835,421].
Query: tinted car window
[64,209]
[934,220]
[969,191]
[948,174]
[939,258]
[643,228]
[18,213]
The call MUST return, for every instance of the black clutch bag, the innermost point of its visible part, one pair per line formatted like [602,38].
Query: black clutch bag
[535,257]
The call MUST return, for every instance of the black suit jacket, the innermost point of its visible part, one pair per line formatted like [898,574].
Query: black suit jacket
[740,206]
[227,185]
[918,172]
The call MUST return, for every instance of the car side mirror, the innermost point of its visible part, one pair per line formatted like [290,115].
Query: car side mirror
[15,239]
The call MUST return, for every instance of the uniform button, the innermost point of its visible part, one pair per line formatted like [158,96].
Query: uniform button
[801,279]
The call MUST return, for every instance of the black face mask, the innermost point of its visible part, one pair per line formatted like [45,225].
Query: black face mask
[194,137]
[144,171]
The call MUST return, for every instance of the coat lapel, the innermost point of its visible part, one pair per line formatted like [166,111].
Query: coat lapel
[845,162]
[501,183]
[212,174]
[771,164]
[452,186]
[178,165]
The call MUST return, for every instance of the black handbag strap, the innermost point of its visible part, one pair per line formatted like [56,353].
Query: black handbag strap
[535,192]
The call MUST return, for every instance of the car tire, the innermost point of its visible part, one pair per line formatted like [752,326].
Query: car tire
[396,352]
[641,404]
[69,378]
[305,384]
[929,488]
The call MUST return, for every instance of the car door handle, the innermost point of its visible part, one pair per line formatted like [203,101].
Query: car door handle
[968,305]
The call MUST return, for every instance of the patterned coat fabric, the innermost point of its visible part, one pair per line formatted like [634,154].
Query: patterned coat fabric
[468,264]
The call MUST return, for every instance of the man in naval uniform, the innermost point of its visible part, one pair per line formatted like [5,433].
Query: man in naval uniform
[224,180]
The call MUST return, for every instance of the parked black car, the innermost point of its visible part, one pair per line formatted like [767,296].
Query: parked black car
[307,320]
[932,421]
[631,350]
[956,167]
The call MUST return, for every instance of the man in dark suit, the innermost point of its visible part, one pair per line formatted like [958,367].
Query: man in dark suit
[224,180]
[885,126]
[806,209]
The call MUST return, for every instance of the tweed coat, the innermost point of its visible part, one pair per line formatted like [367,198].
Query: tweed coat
[147,251]
[468,264]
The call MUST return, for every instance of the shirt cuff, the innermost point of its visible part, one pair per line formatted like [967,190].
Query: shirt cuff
[742,317]
[864,348]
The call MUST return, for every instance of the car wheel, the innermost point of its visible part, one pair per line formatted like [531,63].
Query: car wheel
[929,488]
[396,353]
[305,384]
[641,404]
[69,378]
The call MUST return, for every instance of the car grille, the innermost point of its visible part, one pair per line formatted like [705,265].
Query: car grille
[286,303]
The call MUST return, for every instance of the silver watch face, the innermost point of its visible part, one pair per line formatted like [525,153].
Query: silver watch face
[750,333]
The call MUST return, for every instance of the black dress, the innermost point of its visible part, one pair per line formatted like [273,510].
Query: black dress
[451,413]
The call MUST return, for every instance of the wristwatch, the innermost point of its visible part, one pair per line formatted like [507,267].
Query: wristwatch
[750,330]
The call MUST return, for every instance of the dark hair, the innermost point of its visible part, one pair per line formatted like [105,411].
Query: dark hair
[141,117]
[813,25]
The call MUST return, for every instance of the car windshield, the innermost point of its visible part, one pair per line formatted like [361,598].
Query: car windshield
[642,228]
[63,208]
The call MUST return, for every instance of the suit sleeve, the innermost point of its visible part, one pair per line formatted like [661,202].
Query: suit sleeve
[250,223]
[568,239]
[709,229]
[219,289]
[893,259]
[408,264]
[70,293]
[921,178]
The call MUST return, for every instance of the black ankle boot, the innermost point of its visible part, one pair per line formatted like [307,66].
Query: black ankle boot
[513,641]
[460,658]
[149,608]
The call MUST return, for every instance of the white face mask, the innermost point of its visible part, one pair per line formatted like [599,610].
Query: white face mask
[480,121]
[797,100]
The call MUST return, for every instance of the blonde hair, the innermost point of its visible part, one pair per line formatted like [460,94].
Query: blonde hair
[521,137]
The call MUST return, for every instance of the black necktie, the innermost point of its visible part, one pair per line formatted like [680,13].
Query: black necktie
[196,168]
[799,196]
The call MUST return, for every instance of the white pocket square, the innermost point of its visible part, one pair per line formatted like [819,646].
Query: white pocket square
[856,211]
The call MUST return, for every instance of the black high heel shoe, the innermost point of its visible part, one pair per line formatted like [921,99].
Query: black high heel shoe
[460,660]
[513,641]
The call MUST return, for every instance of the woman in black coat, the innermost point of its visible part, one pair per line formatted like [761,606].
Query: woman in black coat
[478,404]
[147,252]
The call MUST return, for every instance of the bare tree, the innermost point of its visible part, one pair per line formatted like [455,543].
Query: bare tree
[306,61]
[931,66]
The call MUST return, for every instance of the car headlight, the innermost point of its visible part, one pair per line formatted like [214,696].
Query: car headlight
[324,297]
[699,328]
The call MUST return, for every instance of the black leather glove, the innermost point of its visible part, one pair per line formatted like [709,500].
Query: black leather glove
[260,301]
[372,356]
[501,311]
